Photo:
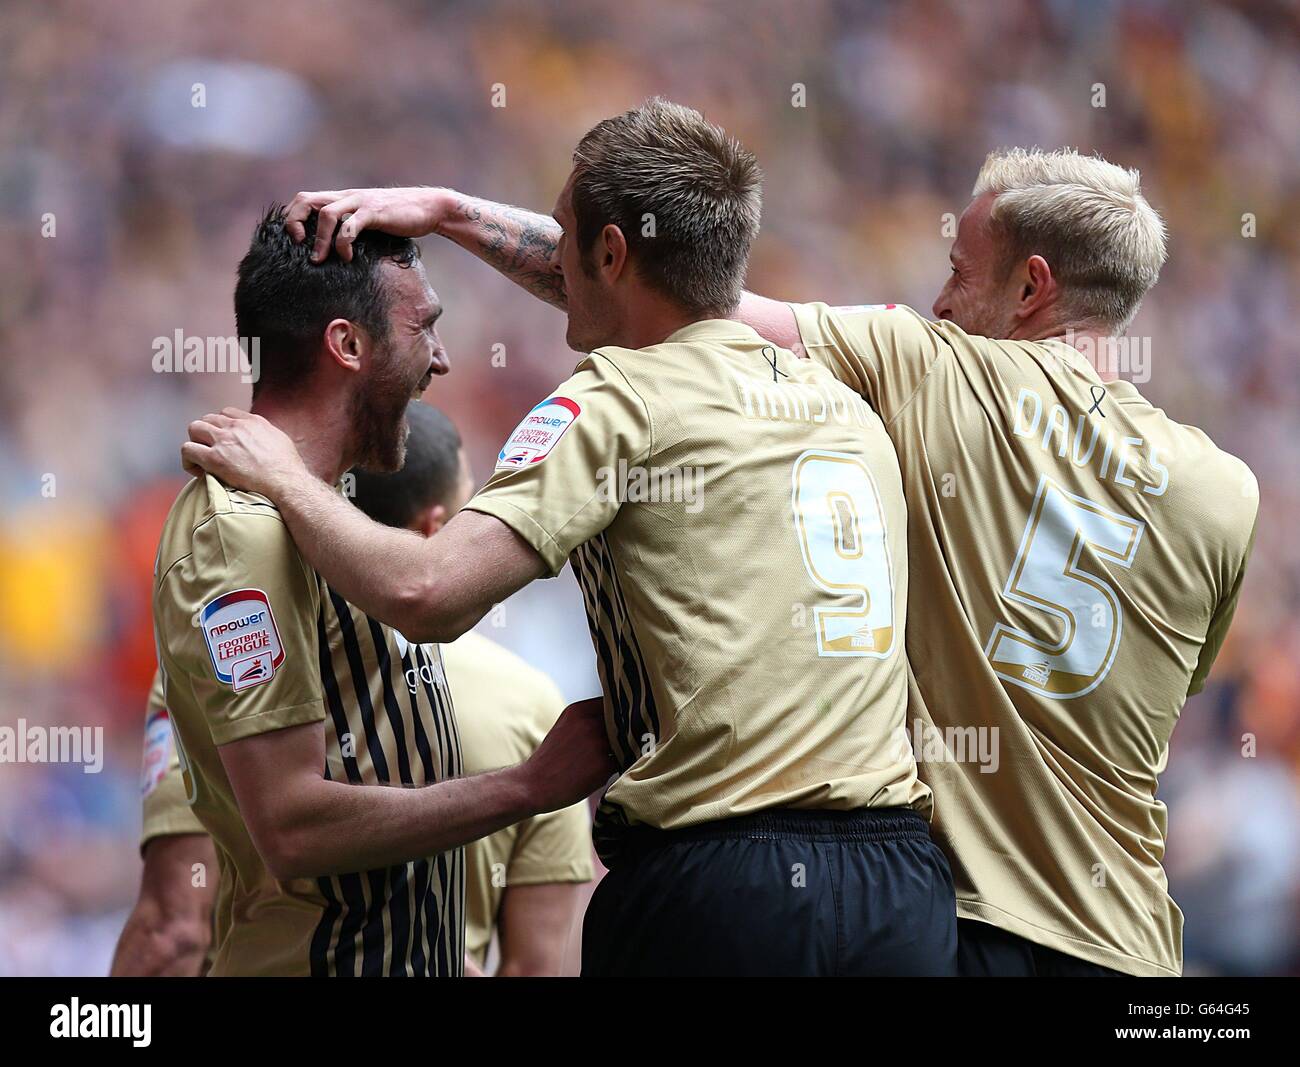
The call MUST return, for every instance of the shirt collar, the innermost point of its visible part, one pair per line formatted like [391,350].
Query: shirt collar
[711,330]
[1124,391]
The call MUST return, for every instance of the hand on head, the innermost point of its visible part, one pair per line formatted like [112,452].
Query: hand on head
[343,214]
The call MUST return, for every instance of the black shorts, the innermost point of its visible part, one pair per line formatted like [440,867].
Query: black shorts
[778,893]
[987,951]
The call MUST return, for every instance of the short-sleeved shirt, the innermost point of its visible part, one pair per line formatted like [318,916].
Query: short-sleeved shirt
[162,786]
[1076,556]
[735,519]
[251,640]
[504,708]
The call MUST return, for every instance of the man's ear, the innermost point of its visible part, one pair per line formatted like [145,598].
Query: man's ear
[1038,290]
[345,342]
[429,521]
[611,253]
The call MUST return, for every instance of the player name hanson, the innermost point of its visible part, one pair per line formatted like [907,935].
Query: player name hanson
[23,743]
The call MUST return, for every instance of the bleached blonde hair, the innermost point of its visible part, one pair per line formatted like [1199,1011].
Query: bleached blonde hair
[1087,218]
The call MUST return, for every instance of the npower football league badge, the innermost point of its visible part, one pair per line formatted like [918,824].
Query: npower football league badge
[534,438]
[242,639]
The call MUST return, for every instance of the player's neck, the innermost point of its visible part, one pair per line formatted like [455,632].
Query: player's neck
[654,321]
[320,432]
[1087,341]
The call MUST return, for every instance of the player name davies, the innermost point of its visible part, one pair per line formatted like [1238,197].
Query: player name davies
[1051,427]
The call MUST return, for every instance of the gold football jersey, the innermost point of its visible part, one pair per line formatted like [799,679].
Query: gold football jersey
[1076,557]
[251,640]
[735,519]
[504,708]
[162,788]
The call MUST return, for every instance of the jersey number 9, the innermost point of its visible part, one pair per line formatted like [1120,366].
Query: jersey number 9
[842,536]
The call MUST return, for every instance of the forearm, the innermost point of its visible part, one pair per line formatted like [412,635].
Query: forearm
[336,828]
[170,928]
[377,568]
[772,319]
[431,589]
[154,945]
[521,244]
[533,927]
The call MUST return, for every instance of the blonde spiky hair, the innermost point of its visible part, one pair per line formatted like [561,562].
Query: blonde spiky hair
[1087,218]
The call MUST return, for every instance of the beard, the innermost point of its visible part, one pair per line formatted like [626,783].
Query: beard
[589,329]
[575,336]
[578,329]
[986,320]
[592,322]
[379,424]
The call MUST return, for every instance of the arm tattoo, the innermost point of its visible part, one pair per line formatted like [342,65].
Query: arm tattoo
[520,244]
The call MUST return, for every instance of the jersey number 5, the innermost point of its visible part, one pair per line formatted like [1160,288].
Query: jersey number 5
[1070,657]
[842,536]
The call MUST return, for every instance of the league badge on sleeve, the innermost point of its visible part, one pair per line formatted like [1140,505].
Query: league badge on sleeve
[157,750]
[541,429]
[242,639]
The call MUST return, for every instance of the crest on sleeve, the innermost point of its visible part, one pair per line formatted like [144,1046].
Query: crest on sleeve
[541,429]
[242,639]
[157,750]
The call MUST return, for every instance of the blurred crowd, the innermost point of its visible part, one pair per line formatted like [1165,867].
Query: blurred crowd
[140,140]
